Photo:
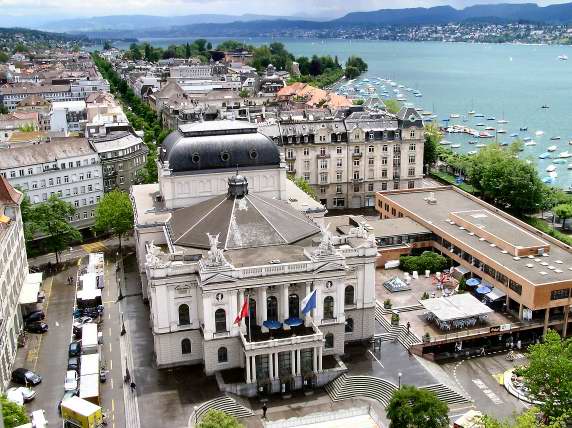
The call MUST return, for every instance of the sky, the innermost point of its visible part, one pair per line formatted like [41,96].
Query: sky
[57,9]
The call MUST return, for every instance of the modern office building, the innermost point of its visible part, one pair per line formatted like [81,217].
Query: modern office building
[210,238]
[531,268]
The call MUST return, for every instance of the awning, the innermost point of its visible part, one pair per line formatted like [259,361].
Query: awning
[473,282]
[483,289]
[30,288]
[495,294]
[459,306]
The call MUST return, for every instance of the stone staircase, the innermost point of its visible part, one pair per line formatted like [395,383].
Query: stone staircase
[345,387]
[409,308]
[448,395]
[394,332]
[225,404]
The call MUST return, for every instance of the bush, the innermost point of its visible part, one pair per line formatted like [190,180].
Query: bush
[424,296]
[218,419]
[387,304]
[428,260]
[394,319]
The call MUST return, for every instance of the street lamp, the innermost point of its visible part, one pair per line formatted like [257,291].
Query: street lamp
[399,380]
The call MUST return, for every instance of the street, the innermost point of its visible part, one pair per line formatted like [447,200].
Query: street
[47,354]
[479,378]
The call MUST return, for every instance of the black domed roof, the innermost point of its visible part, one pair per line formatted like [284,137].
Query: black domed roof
[218,144]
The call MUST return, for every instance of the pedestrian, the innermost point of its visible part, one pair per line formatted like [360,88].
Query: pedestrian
[408,326]
[133,386]
[264,409]
[518,344]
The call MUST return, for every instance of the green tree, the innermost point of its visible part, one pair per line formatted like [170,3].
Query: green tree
[218,419]
[433,137]
[563,212]
[13,414]
[530,418]
[411,407]
[3,109]
[4,57]
[304,185]
[107,45]
[392,106]
[50,219]
[357,62]
[351,72]
[243,93]
[114,213]
[548,374]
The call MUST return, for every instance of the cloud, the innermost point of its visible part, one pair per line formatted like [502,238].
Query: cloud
[316,8]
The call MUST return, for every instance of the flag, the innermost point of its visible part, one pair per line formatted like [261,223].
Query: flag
[243,312]
[309,302]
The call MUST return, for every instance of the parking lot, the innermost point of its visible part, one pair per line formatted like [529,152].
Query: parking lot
[47,354]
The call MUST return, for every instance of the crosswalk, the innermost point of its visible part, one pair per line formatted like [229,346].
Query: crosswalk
[94,247]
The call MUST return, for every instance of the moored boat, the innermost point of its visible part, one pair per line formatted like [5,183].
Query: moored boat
[544,155]
[550,168]
[552,148]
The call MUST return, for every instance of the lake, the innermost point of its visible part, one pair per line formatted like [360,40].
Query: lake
[505,81]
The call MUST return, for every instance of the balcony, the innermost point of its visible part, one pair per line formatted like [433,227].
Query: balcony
[357,155]
[357,180]
[323,156]
[280,337]
[290,157]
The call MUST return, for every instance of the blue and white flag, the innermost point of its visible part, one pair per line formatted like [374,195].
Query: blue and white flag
[309,302]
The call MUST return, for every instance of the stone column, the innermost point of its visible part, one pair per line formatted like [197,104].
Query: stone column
[315,359]
[520,309]
[293,362]
[299,366]
[254,368]
[276,366]
[320,359]
[208,314]
[248,377]
[271,366]
[565,324]
[284,304]
[546,317]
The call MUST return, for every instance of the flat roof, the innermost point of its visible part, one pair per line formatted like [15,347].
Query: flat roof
[459,306]
[255,257]
[501,228]
[555,266]
[396,226]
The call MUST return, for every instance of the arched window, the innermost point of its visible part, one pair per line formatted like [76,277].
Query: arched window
[222,355]
[272,308]
[184,315]
[349,295]
[349,325]
[328,307]
[329,341]
[220,320]
[252,309]
[186,346]
[293,306]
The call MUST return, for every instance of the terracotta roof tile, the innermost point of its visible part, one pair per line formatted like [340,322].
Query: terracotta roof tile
[8,195]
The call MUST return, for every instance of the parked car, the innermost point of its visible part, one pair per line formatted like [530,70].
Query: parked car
[38,418]
[37,315]
[67,394]
[25,377]
[71,381]
[74,363]
[26,394]
[36,327]
[74,349]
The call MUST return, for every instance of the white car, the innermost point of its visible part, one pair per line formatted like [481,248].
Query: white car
[71,380]
[20,394]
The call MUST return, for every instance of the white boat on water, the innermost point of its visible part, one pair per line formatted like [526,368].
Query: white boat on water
[570,166]
[563,57]
[472,113]
[472,152]
[445,143]
[480,124]
[455,146]
[530,143]
[564,155]
[539,133]
[501,131]
[455,116]
[502,121]
[481,145]
[552,148]
[489,128]
[551,168]
[556,138]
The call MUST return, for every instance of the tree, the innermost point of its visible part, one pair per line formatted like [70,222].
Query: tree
[218,419]
[51,220]
[548,374]
[527,419]
[114,214]
[563,212]
[433,137]
[135,52]
[13,414]
[351,72]
[357,62]
[4,57]
[3,109]
[107,45]
[411,407]
[392,106]
[243,93]
[304,185]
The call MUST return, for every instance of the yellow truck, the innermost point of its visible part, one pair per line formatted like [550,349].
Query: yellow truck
[80,413]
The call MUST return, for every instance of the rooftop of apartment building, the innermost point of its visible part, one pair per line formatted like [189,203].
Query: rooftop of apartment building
[488,232]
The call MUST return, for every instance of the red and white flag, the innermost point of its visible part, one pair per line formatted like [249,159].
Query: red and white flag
[243,312]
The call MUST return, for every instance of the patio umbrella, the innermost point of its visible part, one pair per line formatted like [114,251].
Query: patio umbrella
[473,282]
[272,325]
[483,290]
[294,321]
